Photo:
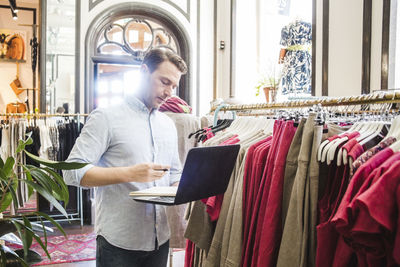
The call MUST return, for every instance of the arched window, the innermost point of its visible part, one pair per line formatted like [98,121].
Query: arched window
[133,37]
[117,45]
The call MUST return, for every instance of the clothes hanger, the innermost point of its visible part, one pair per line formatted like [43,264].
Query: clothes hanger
[394,130]
[328,153]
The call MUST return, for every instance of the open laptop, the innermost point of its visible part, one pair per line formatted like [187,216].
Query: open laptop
[206,173]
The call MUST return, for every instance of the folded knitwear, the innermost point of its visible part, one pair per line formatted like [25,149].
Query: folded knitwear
[176,105]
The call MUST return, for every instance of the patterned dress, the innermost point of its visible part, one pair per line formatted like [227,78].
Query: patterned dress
[296,74]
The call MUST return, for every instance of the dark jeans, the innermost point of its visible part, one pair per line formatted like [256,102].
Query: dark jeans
[108,255]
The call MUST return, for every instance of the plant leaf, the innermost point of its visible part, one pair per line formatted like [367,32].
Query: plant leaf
[18,225]
[27,234]
[60,181]
[1,163]
[47,195]
[12,189]
[29,178]
[3,176]
[45,180]
[8,166]
[6,202]
[44,231]
[3,257]
[37,238]
[4,250]
[21,146]
[56,224]
[59,165]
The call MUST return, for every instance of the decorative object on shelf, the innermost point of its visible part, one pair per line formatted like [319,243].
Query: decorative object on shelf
[12,44]
[16,83]
[16,47]
[16,107]
[46,182]
[3,45]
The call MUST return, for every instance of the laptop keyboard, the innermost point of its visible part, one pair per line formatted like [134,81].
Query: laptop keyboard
[164,199]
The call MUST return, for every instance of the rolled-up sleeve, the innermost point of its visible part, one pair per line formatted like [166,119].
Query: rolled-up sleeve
[89,147]
[176,166]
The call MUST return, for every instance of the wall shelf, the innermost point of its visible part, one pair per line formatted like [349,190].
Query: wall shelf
[12,60]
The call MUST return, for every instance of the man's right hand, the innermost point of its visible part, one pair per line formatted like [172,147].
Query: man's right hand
[140,173]
[147,172]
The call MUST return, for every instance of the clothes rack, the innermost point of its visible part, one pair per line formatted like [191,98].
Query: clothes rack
[368,99]
[75,216]
[279,168]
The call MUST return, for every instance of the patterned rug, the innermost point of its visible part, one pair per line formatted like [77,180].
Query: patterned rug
[80,247]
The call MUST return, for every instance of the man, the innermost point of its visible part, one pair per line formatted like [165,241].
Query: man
[131,147]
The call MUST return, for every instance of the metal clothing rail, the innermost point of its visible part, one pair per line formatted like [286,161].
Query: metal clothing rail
[76,216]
[40,115]
[374,98]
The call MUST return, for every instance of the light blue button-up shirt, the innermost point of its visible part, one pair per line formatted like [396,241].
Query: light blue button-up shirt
[119,136]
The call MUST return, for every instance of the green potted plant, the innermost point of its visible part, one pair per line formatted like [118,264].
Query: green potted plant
[46,182]
[270,85]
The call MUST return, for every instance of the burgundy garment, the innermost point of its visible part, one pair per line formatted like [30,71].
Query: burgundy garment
[271,228]
[189,253]
[342,220]
[333,138]
[356,151]
[372,152]
[213,205]
[342,217]
[380,203]
[327,237]
[323,203]
[396,248]
[351,135]
[261,153]
[349,145]
[362,222]
[263,188]
[262,196]
[247,180]
[209,134]
[259,166]
[175,104]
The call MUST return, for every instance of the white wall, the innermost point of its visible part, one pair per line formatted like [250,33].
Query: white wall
[345,47]
[319,44]
[206,56]
[8,69]
[376,44]
[223,55]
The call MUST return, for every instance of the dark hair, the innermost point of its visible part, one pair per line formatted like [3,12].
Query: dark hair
[158,55]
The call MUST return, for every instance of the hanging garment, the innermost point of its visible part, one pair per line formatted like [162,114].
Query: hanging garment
[292,252]
[271,226]
[296,72]
[185,124]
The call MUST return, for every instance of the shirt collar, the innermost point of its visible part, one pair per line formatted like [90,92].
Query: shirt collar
[137,104]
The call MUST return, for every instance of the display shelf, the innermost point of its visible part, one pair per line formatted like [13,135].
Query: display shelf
[12,60]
